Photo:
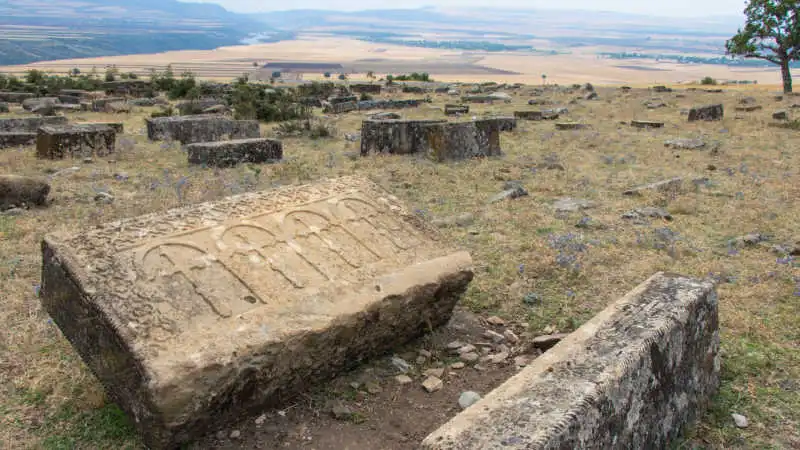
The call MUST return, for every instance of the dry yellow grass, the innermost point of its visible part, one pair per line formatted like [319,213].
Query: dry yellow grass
[532,264]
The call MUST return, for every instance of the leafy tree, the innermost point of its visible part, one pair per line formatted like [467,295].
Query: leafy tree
[371,75]
[327,74]
[342,76]
[708,81]
[75,72]
[34,76]
[771,33]
[276,74]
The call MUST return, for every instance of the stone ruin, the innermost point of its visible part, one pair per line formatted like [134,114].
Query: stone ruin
[205,128]
[118,127]
[102,104]
[340,108]
[536,115]
[15,97]
[454,110]
[635,376]
[708,113]
[366,88]
[75,141]
[224,308]
[17,132]
[400,137]
[31,103]
[646,124]
[231,153]
[437,139]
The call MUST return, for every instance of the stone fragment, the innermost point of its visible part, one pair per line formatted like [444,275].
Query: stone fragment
[18,190]
[536,115]
[571,126]
[340,411]
[467,348]
[469,357]
[673,185]
[494,320]
[32,103]
[457,365]
[437,372]
[231,153]
[573,205]
[373,388]
[661,89]
[548,341]
[194,129]
[646,124]
[400,137]
[708,112]
[749,108]
[748,240]
[511,337]
[403,379]
[468,398]
[75,141]
[655,104]
[685,144]
[455,345]
[118,127]
[15,97]
[170,318]
[454,110]
[637,375]
[494,336]
[385,116]
[740,421]
[509,194]
[780,115]
[432,384]
[235,434]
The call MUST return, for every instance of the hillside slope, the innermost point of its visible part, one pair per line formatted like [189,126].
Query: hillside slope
[37,30]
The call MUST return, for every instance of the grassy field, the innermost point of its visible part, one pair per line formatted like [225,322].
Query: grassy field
[533,265]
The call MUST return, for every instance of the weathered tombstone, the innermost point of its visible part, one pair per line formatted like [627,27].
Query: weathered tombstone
[685,144]
[19,191]
[100,104]
[464,140]
[385,116]
[231,153]
[366,88]
[69,99]
[646,124]
[571,126]
[193,129]
[536,115]
[636,376]
[74,141]
[118,127]
[16,138]
[393,136]
[655,104]
[503,123]
[749,108]
[672,185]
[341,108]
[708,112]
[31,103]
[591,96]
[15,97]
[452,110]
[661,89]
[188,325]
[780,115]
[29,124]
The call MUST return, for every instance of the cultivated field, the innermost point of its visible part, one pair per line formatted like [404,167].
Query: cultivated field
[359,57]
[541,270]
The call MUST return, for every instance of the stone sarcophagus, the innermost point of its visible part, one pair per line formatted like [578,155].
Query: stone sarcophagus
[454,110]
[29,124]
[205,128]
[16,138]
[633,377]
[196,317]
[75,141]
[462,140]
[400,137]
[231,153]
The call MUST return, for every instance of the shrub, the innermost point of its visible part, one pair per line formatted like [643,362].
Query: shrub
[708,81]
[253,101]
[164,112]
[365,97]
[310,128]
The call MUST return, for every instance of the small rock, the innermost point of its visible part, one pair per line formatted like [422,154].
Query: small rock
[780,115]
[748,240]
[467,348]
[373,388]
[455,345]
[494,336]
[236,434]
[521,361]
[647,212]
[104,197]
[260,419]
[425,353]
[435,372]
[221,434]
[685,144]
[421,360]
[340,411]
[498,358]
[573,205]
[18,190]
[511,336]
[468,398]
[88,160]
[494,320]
[548,341]
[12,212]
[355,385]
[400,364]
[352,137]
[509,194]
[469,357]
[457,365]
[403,379]
[740,420]
[432,384]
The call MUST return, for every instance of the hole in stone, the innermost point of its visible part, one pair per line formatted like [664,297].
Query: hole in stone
[378,287]
[250,299]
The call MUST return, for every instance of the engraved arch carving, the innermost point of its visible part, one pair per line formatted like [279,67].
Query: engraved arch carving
[355,210]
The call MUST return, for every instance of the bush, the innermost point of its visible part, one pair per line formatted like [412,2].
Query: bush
[708,81]
[257,101]
[414,76]
[310,128]
[164,112]
[365,97]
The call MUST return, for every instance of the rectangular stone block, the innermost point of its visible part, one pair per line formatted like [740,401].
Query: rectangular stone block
[196,317]
[17,138]
[393,136]
[15,97]
[457,141]
[118,127]
[633,377]
[29,124]
[100,104]
[206,128]
[452,110]
[75,141]
[231,153]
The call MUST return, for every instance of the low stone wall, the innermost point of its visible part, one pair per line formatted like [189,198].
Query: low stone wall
[74,141]
[393,136]
[206,128]
[635,376]
[17,138]
[231,153]
[29,124]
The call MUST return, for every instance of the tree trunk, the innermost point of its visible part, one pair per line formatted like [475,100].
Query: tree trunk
[786,75]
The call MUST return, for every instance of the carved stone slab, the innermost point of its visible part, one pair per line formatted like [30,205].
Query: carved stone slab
[633,377]
[194,317]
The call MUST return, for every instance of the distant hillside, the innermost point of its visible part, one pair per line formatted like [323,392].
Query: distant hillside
[37,30]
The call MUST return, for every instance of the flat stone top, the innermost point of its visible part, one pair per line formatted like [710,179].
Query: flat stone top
[403,121]
[74,128]
[536,401]
[205,282]
[233,142]
[195,118]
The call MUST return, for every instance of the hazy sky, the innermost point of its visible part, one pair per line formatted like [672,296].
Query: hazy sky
[688,8]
